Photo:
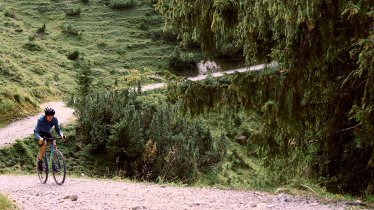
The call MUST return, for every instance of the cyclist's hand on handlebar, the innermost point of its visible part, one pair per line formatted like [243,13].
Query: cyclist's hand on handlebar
[63,137]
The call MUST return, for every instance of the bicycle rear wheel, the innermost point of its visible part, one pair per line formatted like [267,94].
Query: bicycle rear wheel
[43,175]
[59,167]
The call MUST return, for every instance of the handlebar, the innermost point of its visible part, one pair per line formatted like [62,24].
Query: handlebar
[50,140]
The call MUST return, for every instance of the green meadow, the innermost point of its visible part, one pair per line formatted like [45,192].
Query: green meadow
[41,40]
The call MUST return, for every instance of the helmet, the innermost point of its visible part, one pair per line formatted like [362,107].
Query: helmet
[49,111]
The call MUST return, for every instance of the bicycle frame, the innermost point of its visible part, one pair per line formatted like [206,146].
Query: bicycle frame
[52,141]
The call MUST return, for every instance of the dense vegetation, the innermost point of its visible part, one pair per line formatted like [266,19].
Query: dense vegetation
[316,110]
[144,135]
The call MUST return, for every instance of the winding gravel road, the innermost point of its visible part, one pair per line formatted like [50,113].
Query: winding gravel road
[29,193]
[25,127]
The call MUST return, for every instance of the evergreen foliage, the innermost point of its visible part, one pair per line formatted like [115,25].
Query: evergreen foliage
[320,101]
[145,137]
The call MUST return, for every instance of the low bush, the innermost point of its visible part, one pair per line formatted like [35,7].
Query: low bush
[43,9]
[73,55]
[183,62]
[122,4]
[32,46]
[73,12]
[164,35]
[143,26]
[71,30]
[41,30]
[10,14]
[31,37]
[145,137]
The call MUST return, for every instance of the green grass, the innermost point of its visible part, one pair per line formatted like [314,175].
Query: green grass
[36,62]
[5,203]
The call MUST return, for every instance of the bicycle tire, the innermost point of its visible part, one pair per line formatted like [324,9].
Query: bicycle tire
[58,168]
[43,175]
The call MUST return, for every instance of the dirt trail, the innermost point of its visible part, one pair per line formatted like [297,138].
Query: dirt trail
[215,74]
[28,193]
[25,127]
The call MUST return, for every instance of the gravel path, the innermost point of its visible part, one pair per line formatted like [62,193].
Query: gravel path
[28,193]
[24,128]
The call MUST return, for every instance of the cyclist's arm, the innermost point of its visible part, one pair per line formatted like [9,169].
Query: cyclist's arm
[37,130]
[58,127]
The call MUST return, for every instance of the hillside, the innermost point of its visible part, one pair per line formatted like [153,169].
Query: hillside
[307,122]
[37,63]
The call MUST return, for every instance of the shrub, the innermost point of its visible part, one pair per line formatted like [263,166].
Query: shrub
[101,43]
[32,46]
[143,26]
[181,63]
[164,35]
[41,30]
[152,2]
[73,55]
[43,9]
[73,12]
[85,1]
[147,139]
[32,37]
[71,30]
[122,4]
[10,14]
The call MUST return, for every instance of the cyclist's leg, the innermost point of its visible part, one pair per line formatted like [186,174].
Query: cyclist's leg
[43,145]
[42,148]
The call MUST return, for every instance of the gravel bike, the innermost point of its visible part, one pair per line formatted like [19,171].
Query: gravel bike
[55,164]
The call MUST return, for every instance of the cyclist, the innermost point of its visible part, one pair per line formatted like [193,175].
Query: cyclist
[42,130]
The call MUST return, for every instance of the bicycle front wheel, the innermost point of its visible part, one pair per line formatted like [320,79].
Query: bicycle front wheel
[59,167]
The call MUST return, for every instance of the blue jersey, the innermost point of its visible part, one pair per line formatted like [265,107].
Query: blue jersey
[43,127]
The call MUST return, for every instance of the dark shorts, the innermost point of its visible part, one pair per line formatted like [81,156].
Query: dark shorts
[44,135]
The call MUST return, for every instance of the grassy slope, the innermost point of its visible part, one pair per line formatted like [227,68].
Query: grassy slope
[35,68]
